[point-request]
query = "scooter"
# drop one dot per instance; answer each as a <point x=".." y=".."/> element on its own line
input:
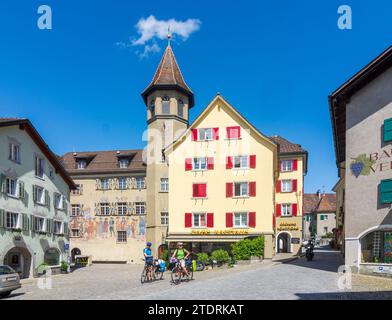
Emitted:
<point x="309" y="251"/>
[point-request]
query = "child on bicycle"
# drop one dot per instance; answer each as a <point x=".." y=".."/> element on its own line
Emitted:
<point x="181" y="254"/>
<point x="149" y="259"/>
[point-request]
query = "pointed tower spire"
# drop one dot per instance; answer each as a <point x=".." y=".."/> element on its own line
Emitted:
<point x="168" y="76"/>
<point x="168" y="36"/>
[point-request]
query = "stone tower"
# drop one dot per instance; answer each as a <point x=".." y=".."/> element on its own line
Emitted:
<point x="168" y="100"/>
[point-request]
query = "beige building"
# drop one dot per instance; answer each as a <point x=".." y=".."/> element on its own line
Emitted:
<point x="108" y="208"/>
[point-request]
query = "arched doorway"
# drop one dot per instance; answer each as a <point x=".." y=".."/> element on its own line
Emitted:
<point x="75" y="252"/>
<point x="283" y="243"/>
<point x="19" y="259"/>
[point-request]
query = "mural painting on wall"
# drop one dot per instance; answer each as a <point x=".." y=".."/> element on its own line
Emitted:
<point x="105" y="227"/>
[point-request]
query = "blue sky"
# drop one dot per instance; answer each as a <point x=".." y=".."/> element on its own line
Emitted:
<point x="276" y="63"/>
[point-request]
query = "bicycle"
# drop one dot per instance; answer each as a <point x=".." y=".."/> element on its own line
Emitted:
<point x="178" y="273"/>
<point x="155" y="269"/>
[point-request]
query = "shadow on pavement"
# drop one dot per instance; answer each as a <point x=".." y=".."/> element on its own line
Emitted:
<point x="13" y="295"/>
<point x="364" y="295"/>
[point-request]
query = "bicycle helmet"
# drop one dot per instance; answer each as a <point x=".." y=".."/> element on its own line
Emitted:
<point x="148" y="244"/>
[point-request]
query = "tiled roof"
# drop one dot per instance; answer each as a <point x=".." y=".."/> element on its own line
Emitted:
<point x="168" y="74"/>
<point x="324" y="203"/>
<point x="286" y="146"/>
<point x="104" y="161"/>
<point x="10" y="119"/>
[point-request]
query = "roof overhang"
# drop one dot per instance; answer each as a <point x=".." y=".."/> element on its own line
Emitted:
<point x="154" y="87"/>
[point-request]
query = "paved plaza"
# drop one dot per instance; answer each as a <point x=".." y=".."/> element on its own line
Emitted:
<point x="296" y="279"/>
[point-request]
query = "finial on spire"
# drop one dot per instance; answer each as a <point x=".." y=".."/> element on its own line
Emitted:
<point x="168" y="35"/>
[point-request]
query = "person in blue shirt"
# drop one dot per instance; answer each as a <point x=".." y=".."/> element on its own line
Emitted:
<point x="149" y="259"/>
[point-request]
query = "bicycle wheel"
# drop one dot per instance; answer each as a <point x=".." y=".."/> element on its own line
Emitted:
<point x="158" y="274"/>
<point x="143" y="277"/>
<point x="189" y="269"/>
<point x="176" y="275"/>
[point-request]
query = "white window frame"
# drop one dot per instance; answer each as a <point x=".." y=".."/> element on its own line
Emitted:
<point x="286" y="210"/>
<point x="14" y="186"/>
<point x="122" y="183"/>
<point x="41" y="199"/>
<point x="104" y="184"/>
<point x="164" y="218"/>
<point x="10" y="216"/>
<point x="241" y="219"/>
<point x="76" y="210"/>
<point x="140" y="208"/>
<point x="76" y="192"/>
<point x="122" y="208"/>
<point x="286" y="185"/>
<point x="199" y="164"/>
<point x="122" y="236"/>
<point x="287" y="165"/>
<point x="39" y="168"/>
<point x="243" y="162"/>
<point x="242" y="194"/>
<point x="59" y="201"/>
<point x="43" y="226"/>
<point x="14" y="150"/>
<point x="207" y="134"/>
<point x="123" y="163"/>
<point x="73" y="233"/>
<point x="196" y="216"/>
<point x="140" y="183"/>
<point x="164" y="185"/>
<point x="61" y="230"/>
<point x="104" y="209"/>
<point x="81" y="164"/>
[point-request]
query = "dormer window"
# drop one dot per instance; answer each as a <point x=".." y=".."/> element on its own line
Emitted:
<point x="166" y="105"/>
<point x="81" y="164"/>
<point x="123" y="163"/>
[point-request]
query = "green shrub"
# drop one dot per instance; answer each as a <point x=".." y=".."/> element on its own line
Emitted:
<point x="244" y="249"/>
<point x="203" y="257"/>
<point x="64" y="266"/>
<point x="220" y="255"/>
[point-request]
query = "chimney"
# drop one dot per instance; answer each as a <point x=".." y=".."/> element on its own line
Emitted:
<point x="318" y="193"/>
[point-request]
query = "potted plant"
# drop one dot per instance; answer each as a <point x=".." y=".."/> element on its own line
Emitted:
<point x="64" y="267"/>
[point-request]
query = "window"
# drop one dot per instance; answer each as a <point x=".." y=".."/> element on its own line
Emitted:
<point x="105" y="209"/>
<point x="39" y="224"/>
<point x="76" y="210"/>
<point x="52" y="257"/>
<point x="12" y="220"/>
<point x="81" y="164"/>
<point x="233" y="132"/>
<point x="241" y="162"/>
<point x="39" y="194"/>
<point x="199" y="220"/>
<point x="287" y="165"/>
<point x="199" y="190"/>
<point x="152" y="108"/>
<point x="323" y="217"/>
<point x="121" y="236"/>
<point x="57" y="227"/>
<point x="180" y="108"/>
<point x="166" y="105"/>
<point x="122" y="208"/>
<point x="205" y="134"/>
<point x="241" y="189"/>
<point x="39" y="167"/>
<point x="78" y="190"/>
<point x="140" y="208"/>
<point x="286" y="209"/>
<point x="388" y="130"/>
<point x="325" y="229"/>
<point x="164" y="218"/>
<point x="12" y="187"/>
<point x="14" y="152"/>
<point x="140" y="183"/>
<point x="123" y="163"/>
<point x="386" y="191"/>
<point x="240" y="220"/>
<point x="122" y="183"/>
<point x="199" y="164"/>
<point x="104" y="184"/>
<point x="75" y="233"/>
<point x="164" y="184"/>
<point x="51" y="173"/>
<point x="286" y="185"/>
<point x="59" y="201"/>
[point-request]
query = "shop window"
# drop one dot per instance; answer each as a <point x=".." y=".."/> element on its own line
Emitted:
<point x="376" y="247"/>
<point x="52" y="257"/>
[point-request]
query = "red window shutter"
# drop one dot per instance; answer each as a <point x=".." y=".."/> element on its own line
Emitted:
<point x="233" y="132"/>
<point x="252" y="189"/>
<point x="188" y="164"/>
<point x="229" y="219"/>
<point x="229" y="163"/>
<point x="295" y="165"/>
<point x="229" y="189"/>
<point x="215" y="133"/>
<point x="238" y="132"/>
<point x="294" y="209"/>
<point x="252" y="161"/>
<point x="188" y="220"/>
<point x="210" y="220"/>
<point x="252" y="219"/>
<point x="202" y="190"/>
<point x="278" y="186"/>
<point x="195" y="191"/>
<point x="194" y="134"/>
<point x="210" y="163"/>
<point x="294" y="185"/>
<point x="278" y="210"/>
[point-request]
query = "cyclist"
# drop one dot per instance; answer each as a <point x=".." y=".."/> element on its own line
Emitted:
<point x="149" y="259"/>
<point x="181" y="255"/>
